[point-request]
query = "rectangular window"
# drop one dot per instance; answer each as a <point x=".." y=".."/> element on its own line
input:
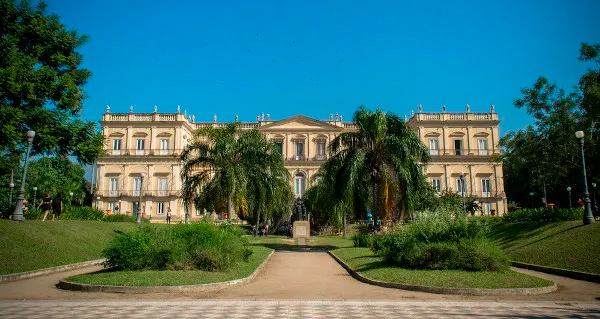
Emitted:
<point x="434" y="146"/>
<point x="113" y="186"/>
<point x="486" y="187"/>
<point x="137" y="186"/>
<point x="164" y="147"/>
<point x="198" y="212"/>
<point x="111" y="206"/>
<point x="279" y="147"/>
<point x="321" y="149"/>
<point x="160" y="208"/>
<point x="300" y="186"/>
<point x="162" y="186"/>
<point x="299" y="151"/>
<point x="437" y="184"/>
<point x="139" y="150"/>
<point x="458" y="147"/>
<point x="461" y="186"/>
<point x="134" y="208"/>
<point x="487" y="208"/>
<point x="116" y="147"/>
<point x="482" y="145"/>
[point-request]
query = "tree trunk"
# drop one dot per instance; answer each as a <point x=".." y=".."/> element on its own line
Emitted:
<point x="257" y="221"/>
<point x="229" y="205"/>
<point x="345" y="213"/>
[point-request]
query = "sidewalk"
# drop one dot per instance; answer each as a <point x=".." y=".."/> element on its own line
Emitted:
<point x="294" y="276"/>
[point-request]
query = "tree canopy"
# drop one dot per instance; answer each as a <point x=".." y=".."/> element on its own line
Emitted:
<point x="41" y="86"/>
<point x="544" y="157"/>
<point x="237" y="171"/>
<point x="378" y="166"/>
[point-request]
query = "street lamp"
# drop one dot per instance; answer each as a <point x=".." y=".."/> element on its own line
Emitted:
<point x="18" y="213"/>
<point x="139" y="215"/>
<point x="588" y="217"/>
<point x="70" y="199"/>
<point x="34" y="195"/>
<point x="119" y="207"/>
<point x="569" y="191"/>
<point x="12" y="185"/>
<point x="462" y="191"/>
<point x="531" y="198"/>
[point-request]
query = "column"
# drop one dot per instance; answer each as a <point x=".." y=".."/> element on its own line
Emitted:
<point x="469" y="140"/>
<point x="151" y="148"/>
<point x="128" y="134"/>
<point x="471" y="178"/>
<point x="444" y="129"/>
<point x="446" y="176"/>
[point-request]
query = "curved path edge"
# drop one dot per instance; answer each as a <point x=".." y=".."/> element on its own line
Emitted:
<point x="68" y="285"/>
<point x="448" y="291"/>
<point x="49" y="271"/>
<point x="559" y="271"/>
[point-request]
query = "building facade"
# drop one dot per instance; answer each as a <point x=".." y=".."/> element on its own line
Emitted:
<point x="143" y="152"/>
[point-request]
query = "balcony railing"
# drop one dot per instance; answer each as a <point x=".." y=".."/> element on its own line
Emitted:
<point x="145" y="152"/>
<point x="320" y="158"/>
<point x="455" y="116"/>
<point x="461" y="152"/>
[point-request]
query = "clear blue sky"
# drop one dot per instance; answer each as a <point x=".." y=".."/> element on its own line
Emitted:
<point x="316" y="57"/>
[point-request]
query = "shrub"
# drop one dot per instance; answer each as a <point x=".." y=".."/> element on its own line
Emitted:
<point x="362" y="240"/>
<point x="123" y="218"/>
<point x="543" y="214"/>
<point x="81" y="213"/>
<point x="201" y="245"/>
<point x="441" y="240"/>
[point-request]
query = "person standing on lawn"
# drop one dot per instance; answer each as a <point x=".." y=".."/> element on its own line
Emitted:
<point x="45" y="204"/>
<point x="169" y="215"/>
<point x="57" y="207"/>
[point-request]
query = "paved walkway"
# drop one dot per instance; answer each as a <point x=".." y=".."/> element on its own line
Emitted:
<point x="293" y="276"/>
<point x="293" y="309"/>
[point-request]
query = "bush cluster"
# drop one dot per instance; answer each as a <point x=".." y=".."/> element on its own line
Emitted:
<point x="362" y="240"/>
<point x="123" y="218"/>
<point x="442" y="240"/>
<point x="543" y="214"/>
<point x="203" y="246"/>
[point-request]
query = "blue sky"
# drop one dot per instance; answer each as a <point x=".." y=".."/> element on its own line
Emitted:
<point x="315" y="57"/>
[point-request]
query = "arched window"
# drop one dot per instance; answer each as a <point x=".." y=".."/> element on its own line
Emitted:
<point x="299" y="184"/>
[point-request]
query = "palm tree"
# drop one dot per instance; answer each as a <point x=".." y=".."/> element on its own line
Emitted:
<point x="225" y="168"/>
<point x="384" y="154"/>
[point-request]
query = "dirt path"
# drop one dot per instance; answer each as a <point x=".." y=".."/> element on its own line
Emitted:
<point x="293" y="275"/>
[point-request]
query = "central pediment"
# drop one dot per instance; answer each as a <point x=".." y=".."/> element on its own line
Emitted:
<point x="299" y="122"/>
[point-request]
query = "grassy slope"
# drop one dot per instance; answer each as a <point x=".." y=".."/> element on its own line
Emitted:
<point x="35" y="244"/>
<point x="567" y="245"/>
<point x="364" y="261"/>
<point x="174" y="278"/>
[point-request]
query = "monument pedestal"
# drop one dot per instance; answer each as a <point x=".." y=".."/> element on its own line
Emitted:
<point x="301" y="229"/>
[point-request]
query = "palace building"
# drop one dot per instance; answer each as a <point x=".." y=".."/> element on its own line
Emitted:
<point x="143" y="149"/>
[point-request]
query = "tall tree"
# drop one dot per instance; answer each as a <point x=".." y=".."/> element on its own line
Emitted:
<point x="384" y="153"/>
<point x="41" y="85"/>
<point x="226" y="168"/>
<point x="544" y="157"/>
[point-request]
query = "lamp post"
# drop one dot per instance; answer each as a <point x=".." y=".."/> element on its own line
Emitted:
<point x="34" y="195"/>
<point x="139" y="215"/>
<point x="12" y="185"/>
<point x="594" y="196"/>
<point x="119" y="207"/>
<point x="18" y="213"/>
<point x="70" y="199"/>
<point x="462" y="191"/>
<point x="531" y="194"/>
<point x="588" y="217"/>
<point x="569" y="191"/>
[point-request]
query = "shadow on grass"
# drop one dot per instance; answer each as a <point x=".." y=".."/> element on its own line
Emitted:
<point x="294" y="247"/>
<point x="508" y="235"/>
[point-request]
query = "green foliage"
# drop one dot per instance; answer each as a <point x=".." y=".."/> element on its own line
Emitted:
<point x="56" y="175"/>
<point x="543" y="214"/>
<point x="544" y="158"/>
<point x="362" y="240"/>
<point x="441" y="240"/>
<point x="203" y="246"/>
<point x="42" y="85"/>
<point x="120" y="218"/>
<point x="237" y="171"/>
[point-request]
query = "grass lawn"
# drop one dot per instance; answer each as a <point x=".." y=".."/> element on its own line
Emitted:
<point x="34" y="244"/>
<point x="172" y="277"/>
<point x="316" y="242"/>
<point x="567" y="245"/>
<point x="365" y="262"/>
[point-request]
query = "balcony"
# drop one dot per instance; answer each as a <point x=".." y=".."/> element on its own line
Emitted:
<point x="113" y="193"/>
<point x="298" y="158"/>
<point x="462" y="152"/>
<point x="320" y="158"/>
<point x="145" y="152"/>
<point x="453" y="116"/>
